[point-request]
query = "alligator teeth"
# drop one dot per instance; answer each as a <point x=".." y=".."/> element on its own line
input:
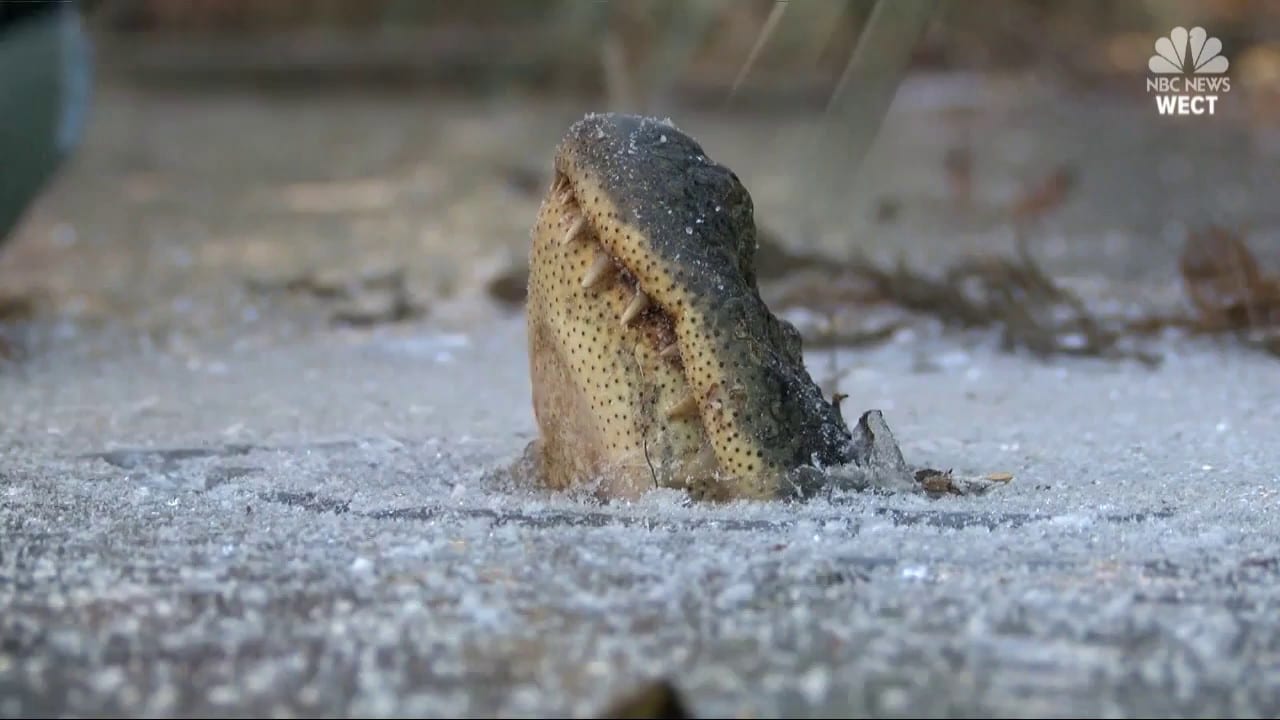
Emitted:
<point x="598" y="270"/>
<point x="637" y="306"/>
<point x="670" y="351"/>
<point x="574" y="230"/>
<point x="685" y="408"/>
<point x="561" y="190"/>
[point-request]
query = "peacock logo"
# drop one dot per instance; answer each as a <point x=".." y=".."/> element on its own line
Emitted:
<point x="1188" y="70"/>
<point x="1188" y="52"/>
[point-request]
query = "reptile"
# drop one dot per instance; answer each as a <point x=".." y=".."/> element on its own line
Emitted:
<point x="654" y="361"/>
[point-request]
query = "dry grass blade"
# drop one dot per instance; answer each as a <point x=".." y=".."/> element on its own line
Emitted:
<point x="681" y="38"/>
<point x="866" y="89"/>
<point x="575" y="25"/>
<point x="618" y="83"/>
<point x="880" y="59"/>
<point x="766" y="32"/>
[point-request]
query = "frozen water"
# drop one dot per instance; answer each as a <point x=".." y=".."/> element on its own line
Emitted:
<point x="302" y="520"/>
<point x="358" y="556"/>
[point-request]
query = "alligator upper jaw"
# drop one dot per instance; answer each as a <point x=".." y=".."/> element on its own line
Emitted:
<point x="721" y="352"/>
<point x="645" y="309"/>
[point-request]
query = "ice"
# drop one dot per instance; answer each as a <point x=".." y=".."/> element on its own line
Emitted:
<point x="317" y="524"/>
<point x="336" y="555"/>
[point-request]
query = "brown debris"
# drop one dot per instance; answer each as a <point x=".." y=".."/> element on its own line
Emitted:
<point x="935" y="482"/>
<point x="379" y="309"/>
<point x="958" y="163"/>
<point x="373" y="298"/>
<point x="862" y="337"/>
<point x="1224" y="284"/>
<point x="938" y="483"/>
<point x="511" y="286"/>
<point x="1033" y="311"/>
<point x="1228" y="291"/>
<point x="1222" y="278"/>
<point x="14" y="309"/>
<point x="655" y="699"/>
<point x="1045" y="196"/>
<point x="524" y="181"/>
<point x="888" y="210"/>
<point x="774" y="260"/>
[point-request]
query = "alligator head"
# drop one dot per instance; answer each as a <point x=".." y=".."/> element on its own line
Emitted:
<point x="654" y="360"/>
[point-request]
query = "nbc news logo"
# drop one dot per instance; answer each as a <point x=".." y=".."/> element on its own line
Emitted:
<point x="1187" y="72"/>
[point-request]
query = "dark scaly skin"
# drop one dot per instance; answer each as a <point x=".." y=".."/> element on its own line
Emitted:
<point x="678" y="227"/>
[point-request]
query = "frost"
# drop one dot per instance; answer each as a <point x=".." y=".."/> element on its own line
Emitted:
<point x="815" y="684"/>
<point x="341" y="534"/>
<point x="914" y="572"/>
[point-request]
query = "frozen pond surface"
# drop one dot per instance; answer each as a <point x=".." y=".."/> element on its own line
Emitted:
<point x="254" y="542"/>
<point x="204" y="513"/>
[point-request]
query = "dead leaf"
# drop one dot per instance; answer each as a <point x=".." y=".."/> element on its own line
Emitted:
<point x="1224" y="283"/>
<point x="1045" y="196"/>
<point x="934" y="482"/>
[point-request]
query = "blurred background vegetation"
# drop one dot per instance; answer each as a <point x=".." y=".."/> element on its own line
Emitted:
<point x="657" y="56"/>
<point x="688" y="46"/>
<point x="232" y="140"/>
